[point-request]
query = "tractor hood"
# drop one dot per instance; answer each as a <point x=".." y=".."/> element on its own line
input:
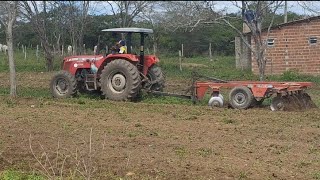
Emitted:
<point x="83" y="58"/>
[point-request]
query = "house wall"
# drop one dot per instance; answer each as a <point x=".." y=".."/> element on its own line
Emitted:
<point x="292" y="50"/>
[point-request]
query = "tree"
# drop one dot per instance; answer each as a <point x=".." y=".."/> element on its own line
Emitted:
<point x="76" y="14"/>
<point x="36" y="13"/>
<point x="125" y="11"/>
<point x="8" y="14"/>
<point x="189" y="15"/>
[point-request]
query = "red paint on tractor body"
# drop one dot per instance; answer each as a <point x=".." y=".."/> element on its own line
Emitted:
<point x="73" y="63"/>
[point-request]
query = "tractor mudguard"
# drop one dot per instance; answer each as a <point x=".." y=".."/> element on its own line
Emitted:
<point x="149" y="60"/>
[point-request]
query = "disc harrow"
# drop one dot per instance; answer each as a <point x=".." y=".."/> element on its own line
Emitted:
<point x="286" y="96"/>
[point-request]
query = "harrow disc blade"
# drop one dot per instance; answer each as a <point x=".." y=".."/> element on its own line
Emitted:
<point x="308" y="101"/>
<point x="294" y="102"/>
<point x="278" y="104"/>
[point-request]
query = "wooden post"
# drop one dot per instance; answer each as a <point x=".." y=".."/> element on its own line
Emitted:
<point x="148" y="51"/>
<point x="180" y="54"/>
<point x="22" y="47"/>
<point x="107" y="50"/>
<point x="37" y="53"/>
<point x="210" y="52"/>
<point x="154" y="49"/>
<point x="285" y="12"/>
<point x="62" y="50"/>
<point x="25" y="52"/>
<point x="84" y="48"/>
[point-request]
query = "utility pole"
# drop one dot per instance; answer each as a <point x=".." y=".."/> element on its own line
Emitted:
<point x="285" y="12"/>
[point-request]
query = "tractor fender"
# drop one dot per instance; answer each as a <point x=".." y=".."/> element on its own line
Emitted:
<point x="129" y="57"/>
<point x="149" y="60"/>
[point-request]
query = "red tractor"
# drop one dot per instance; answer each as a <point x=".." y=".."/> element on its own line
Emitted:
<point x="117" y="76"/>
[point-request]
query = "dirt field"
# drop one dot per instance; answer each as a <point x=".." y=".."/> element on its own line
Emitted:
<point x="154" y="141"/>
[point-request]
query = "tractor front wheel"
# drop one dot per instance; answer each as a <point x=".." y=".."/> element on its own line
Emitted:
<point x="63" y="85"/>
<point x="120" y="80"/>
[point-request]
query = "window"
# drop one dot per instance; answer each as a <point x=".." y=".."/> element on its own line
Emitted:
<point x="270" y="42"/>
<point x="313" y="40"/>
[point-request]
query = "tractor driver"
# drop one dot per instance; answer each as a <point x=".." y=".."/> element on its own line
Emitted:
<point x="123" y="47"/>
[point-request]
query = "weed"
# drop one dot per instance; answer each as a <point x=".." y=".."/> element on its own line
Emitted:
<point x="205" y="152"/>
<point x="138" y="125"/>
<point x="153" y="133"/>
<point x="303" y="164"/>
<point x="16" y="175"/>
<point x="228" y="120"/>
<point x="11" y="103"/>
<point x="180" y="151"/>
<point x="243" y="175"/>
<point x="133" y="134"/>
<point x="316" y="176"/>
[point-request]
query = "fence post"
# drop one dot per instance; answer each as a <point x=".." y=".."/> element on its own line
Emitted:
<point x="210" y="52"/>
<point x="37" y="52"/>
<point x="180" y="54"/>
<point x="154" y="49"/>
<point x="25" y="52"/>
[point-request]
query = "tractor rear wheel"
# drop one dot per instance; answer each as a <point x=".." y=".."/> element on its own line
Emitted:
<point x="120" y="80"/>
<point x="63" y="85"/>
<point x="241" y="97"/>
<point x="156" y="77"/>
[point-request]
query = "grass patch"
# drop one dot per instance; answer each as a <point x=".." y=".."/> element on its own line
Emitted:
<point x="205" y="152"/>
<point x="316" y="176"/>
<point x="180" y="151"/>
<point x="16" y="175"/>
<point x="228" y="121"/>
<point x="223" y="67"/>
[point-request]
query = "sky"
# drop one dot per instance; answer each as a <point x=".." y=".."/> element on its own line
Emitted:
<point x="293" y="6"/>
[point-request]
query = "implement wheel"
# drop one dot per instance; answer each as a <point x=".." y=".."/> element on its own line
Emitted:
<point x="241" y="97"/>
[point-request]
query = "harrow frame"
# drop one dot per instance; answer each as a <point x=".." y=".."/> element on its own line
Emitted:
<point x="245" y="94"/>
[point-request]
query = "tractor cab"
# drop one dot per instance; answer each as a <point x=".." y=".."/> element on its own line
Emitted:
<point x="143" y="32"/>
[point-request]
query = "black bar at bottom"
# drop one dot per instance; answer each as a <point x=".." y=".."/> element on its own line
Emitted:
<point x="171" y="94"/>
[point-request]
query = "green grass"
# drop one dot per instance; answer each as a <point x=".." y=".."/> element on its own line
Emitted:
<point x="17" y="175"/>
<point x="223" y="67"/>
<point x="30" y="64"/>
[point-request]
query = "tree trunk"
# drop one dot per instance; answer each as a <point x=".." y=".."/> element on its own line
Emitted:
<point x="13" y="84"/>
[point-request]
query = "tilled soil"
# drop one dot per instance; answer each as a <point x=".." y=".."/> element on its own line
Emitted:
<point x="155" y="141"/>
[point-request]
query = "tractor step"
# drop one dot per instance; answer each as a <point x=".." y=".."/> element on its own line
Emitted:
<point x="91" y="82"/>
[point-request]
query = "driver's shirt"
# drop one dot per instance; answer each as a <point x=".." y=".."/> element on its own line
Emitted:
<point x="123" y="49"/>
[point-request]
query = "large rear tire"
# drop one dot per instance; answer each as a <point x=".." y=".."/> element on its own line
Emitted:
<point x="120" y="80"/>
<point x="63" y="85"/>
<point x="156" y="76"/>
